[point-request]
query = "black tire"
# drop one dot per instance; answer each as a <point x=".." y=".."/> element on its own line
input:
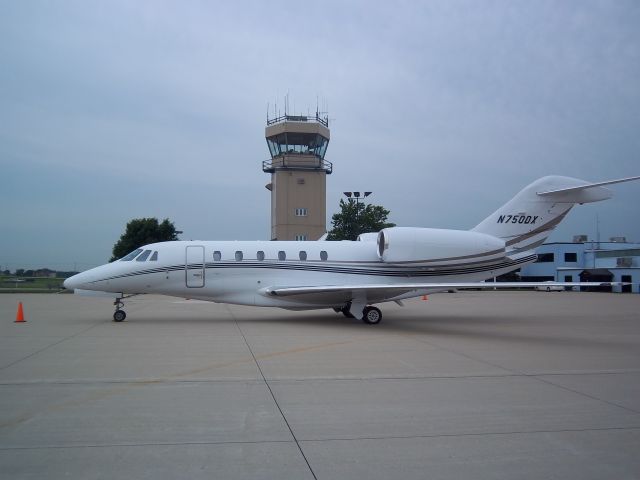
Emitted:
<point x="371" y="315"/>
<point x="119" y="316"/>
<point x="548" y="289"/>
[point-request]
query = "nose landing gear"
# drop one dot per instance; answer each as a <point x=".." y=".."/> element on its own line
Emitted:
<point x="119" y="315"/>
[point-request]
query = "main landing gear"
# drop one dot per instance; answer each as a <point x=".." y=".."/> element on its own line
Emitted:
<point x="370" y="315"/>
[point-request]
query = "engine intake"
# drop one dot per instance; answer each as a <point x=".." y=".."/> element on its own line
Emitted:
<point x="432" y="245"/>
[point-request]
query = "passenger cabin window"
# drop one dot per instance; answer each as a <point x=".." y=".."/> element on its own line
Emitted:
<point x="144" y="256"/>
<point x="154" y="257"/>
<point x="570" y="257"/>
<point x="131" y="256"/>
<point x="217" y="256"/>
<point x="238" y="256"/>
<point x="303" y="255"/>
<point x="260" y="255"/>
<point x="323" y="256"/>
<point x="282" y="255"/>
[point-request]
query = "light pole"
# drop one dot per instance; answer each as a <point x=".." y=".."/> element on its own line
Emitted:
<point x="357" y="196"/>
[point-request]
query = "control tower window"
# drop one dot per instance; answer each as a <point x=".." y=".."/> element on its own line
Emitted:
<point x="300" y="143"/>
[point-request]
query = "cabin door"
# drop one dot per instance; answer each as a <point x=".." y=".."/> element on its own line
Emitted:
<point x="194" y="266"/>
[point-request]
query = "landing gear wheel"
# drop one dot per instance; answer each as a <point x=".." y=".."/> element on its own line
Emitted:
<point x="119" y="316"/>
<point x="371" y="315"/>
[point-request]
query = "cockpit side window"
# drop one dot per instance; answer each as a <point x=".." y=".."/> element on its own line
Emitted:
<point x="131" y="256"/>
<point x="154" y="257"/>
<point x="143" y="257"/>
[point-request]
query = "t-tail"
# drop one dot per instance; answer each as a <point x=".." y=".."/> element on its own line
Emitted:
<point x="526" y="220"/>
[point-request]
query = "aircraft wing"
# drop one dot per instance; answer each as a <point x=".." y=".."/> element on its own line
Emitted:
<point x="389" y="291"/>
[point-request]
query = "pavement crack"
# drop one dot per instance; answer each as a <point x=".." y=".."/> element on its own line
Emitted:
<point x="266" y="382"/>
<point x="51" y="345"/>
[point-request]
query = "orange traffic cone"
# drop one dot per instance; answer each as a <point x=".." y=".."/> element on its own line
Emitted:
<point x="20" y="314"/>
<point x="424" y="297"/>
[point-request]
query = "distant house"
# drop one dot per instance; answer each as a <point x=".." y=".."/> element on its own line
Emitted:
<point x="45" y="272"/>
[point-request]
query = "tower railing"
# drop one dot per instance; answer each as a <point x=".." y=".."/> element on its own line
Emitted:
<point x="297" y="162"/>
<point x="299" y="118"/>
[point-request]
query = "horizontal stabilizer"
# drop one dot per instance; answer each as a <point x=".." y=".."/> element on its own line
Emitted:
<point x="586" y="186"/>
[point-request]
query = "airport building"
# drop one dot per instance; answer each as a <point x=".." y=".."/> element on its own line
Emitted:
<point x="587" y="261"/>
<point x="298" y="169"/>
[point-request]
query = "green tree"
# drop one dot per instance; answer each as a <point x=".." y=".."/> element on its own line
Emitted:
<point x="141" y="231"/>
<point x="355" y="218"/>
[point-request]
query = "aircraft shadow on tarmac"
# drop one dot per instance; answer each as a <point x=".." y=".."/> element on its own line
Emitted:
<point x="471" y="327"/>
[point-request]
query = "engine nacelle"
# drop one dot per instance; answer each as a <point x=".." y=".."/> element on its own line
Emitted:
<point x="437" y="246"/>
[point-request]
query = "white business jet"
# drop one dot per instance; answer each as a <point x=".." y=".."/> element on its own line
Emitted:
<point x="349" y="276"/>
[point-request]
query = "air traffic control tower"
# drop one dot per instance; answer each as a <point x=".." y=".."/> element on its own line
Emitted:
<point x="298" y="176"/>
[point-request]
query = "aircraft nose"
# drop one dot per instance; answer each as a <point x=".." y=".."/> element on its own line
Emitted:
<point x="70" y="283"/>
<point x="75" y="281"/>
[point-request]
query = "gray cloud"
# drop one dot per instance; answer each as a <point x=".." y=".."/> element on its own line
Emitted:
<point x="113" y="110"/>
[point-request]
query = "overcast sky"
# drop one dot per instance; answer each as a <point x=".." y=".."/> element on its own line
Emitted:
<point x="113" y="110"/>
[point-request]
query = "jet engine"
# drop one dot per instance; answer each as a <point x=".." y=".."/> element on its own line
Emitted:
<point x="437" y="246"/>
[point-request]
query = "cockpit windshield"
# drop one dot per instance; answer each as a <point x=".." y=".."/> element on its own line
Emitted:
<point x="144" y="256"/>
<point x="131" y="256"/>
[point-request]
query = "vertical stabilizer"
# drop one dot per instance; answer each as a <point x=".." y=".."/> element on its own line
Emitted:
<point x="526" y="220"/>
